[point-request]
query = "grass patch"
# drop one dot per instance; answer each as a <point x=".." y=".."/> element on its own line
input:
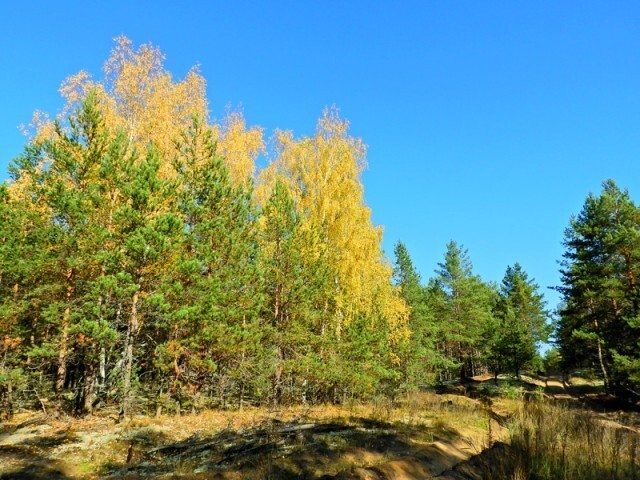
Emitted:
<point x="551" y="441"/>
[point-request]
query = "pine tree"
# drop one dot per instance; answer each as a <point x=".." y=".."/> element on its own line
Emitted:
<point x="144" y="237"/>
<point x="58" y="178"/>
<point x="521" y="321"/>
<point x="296" y="276"/>
<point x="463" y="308"/>
<point x="598" y="322"/>
<point x="17" y="228"/>
<point x="99" y="329"/>
<point x="419" y="355"/>
<point x="213" y="330"/>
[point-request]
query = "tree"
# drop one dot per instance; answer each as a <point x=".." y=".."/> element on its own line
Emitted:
<point x="322" y="175"/>
<point x="552" y="362"/>
<point x="521" y="321"/>
<point x="463" y="307"/>
<point x="19" y="234"/>
<point x="139" y="95"/>
<point x="213" y="328"/>
<point x="598" y="322"/>
<point x="139" y="267"/>
<point x="296" y="277"/>
<point x="420" y="359"/>
<point x="58" y="177"/>
<point x="146" y="226"/>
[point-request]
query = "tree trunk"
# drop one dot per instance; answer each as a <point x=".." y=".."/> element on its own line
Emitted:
<point x="103" y="369"/>
<point x="9" y="400"/>
<point x="278" y="375"/>
<point x="128" y="366"/>
<point x="64" y="339"/>
<point x="89" y="383"/>
<point x="160" y="404"/>
<point x="278" y="324"/>
<point x="605" y="377"/>
<point x="632" y="281"/>
<point x="95" y="371"/>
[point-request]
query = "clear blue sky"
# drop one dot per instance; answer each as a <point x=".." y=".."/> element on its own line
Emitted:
<point x="487" y="122"/>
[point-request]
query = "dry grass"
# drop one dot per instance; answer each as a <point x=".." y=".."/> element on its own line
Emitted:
<point x="552" y="441"/>
<point x="96" y="447"/>
<point x="548" y="439"/>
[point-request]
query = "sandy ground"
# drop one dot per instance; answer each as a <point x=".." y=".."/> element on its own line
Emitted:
<point x="425" y="438"/>
<point x="449" y="436"/>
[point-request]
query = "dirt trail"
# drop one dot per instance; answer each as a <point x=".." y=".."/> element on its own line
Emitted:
<point x="606" y="409"/>
<point x="442" y="461"/>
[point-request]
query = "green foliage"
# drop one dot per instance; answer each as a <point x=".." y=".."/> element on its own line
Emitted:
<point x="296" y="276"/>
<point x="129" y="278"/>
<point x="598" y="321"/>
<point x="462" y="326"/>
<point x="520" y="324"/>
<point x="421" y="359"/>
<point x="463" y="306"/>
<point x="213" y="288"/>
<point x="552" y="362"/>
<point x="140" y="280"/>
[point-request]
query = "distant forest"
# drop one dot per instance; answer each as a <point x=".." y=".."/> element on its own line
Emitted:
<point x="146" y="265"/>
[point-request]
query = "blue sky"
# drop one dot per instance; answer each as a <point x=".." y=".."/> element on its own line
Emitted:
<point x="487" y="122"/>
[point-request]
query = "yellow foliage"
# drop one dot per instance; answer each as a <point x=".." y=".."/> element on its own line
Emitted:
<point x="140" y="95"/>
<point x="239" y="146"/>
<point x="323" y="174"/>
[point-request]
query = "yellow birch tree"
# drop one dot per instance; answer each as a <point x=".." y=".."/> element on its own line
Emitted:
<point x="141" y="96"/>
<point x="322" y="173"/>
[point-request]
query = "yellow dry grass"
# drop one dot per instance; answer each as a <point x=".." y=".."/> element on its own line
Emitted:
<point x="452" y="425"/>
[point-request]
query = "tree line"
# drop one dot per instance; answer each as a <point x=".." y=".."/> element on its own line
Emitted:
<point x="147" y="265"/>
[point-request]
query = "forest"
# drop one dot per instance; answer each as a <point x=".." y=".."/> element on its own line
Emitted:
<point x="148" y="265"/>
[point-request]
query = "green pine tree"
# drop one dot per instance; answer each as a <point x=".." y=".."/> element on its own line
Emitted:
<point x="420" y="358"/>
<point x="213" y="335"/>
<point x="599" y="319"/>
<point x="297" y="280"/>
<point x="520" y="324"/>
<point x="462" y="304"/>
